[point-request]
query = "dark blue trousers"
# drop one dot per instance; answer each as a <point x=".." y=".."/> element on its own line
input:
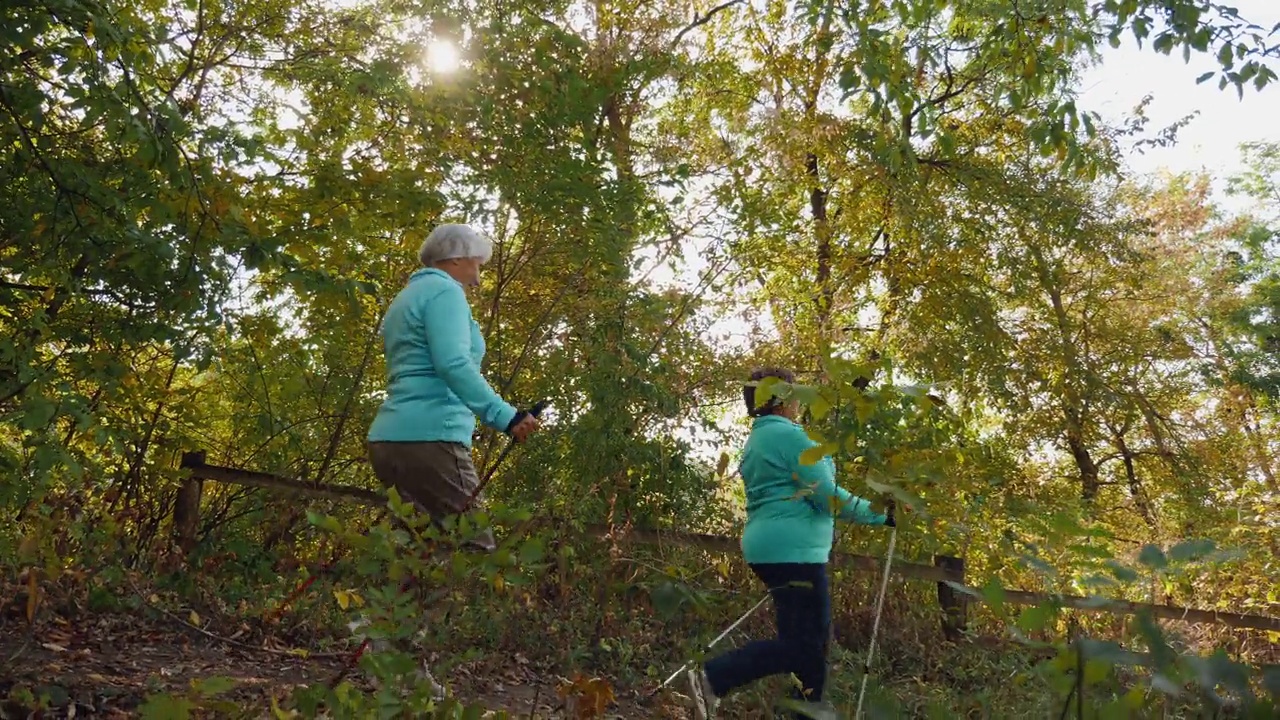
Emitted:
<point x="802" y="610"/>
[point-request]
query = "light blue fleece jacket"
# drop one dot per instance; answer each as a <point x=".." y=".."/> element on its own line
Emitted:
<point x="791" y="508"/>
<point x="434" y="350"/>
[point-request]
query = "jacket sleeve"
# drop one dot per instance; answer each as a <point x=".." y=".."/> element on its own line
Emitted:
<point x="447" y="318"/>
<point x="827" y="496"/>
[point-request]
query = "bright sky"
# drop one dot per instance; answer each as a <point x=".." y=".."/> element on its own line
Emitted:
<point x="1210" y="142"/>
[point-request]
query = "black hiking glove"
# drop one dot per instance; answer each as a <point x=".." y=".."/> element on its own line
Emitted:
<point x="889" y="520"/>
<point x="535" y="411"/>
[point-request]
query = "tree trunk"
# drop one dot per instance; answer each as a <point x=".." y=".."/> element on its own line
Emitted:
<point x="1136" y="490"/>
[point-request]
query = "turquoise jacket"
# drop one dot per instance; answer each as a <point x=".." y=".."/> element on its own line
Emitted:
<point x="791" y="508"/>
<point x="433" y="350"/>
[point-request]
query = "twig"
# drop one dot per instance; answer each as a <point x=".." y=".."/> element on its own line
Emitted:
<point x="305" y="654"/>
<point x="533" y="709"/>
<point x="703" y="19"/>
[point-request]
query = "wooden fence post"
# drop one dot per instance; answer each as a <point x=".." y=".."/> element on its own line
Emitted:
<point x="954" y="604"/>
<point x="186" y="507"/>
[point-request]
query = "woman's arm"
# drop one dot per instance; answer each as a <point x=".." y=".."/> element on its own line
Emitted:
<point x="827" y="496"/>
<point x="447" y="317"/>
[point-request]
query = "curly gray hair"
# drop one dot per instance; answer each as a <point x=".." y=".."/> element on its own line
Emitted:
<point x="453" y="240"/>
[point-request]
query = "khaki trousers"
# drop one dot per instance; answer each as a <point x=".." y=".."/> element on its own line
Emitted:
<point x="438" y="477"/>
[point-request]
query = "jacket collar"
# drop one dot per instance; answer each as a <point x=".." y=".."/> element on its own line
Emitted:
<point x="772" y="420"/>
<point x="423" y="272"/>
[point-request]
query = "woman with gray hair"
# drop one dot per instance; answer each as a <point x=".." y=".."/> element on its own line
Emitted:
<point x="420" y="440"/>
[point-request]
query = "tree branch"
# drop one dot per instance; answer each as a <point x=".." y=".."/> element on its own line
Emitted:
<point x="699" y="20"/>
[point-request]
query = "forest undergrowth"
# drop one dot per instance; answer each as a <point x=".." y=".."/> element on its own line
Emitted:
<point x="522" y="634"/>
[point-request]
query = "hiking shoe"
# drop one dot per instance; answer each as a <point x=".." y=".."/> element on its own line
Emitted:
<point x="424" y="675"/>
<point x="705" y="700"/>
<point x="381" y="645"/>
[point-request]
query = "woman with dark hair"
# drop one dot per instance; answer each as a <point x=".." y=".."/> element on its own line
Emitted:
<point x="787" y="544"/>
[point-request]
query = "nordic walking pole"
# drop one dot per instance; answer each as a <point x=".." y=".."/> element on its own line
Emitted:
<point x="711" y="644"/>
<point x="535" y="411"/>
<point x="875" y="625"/>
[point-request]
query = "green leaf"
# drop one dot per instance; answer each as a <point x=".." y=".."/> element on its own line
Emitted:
<point x="963" y="589"/>
<point x="666" y="599"/>
<point x="37" y="414"/>
<point x="1161" y="682"/>
<point x="1271" y="681"/>
<point x="1191" y="550"/>
<point x="1152" y="557"/>
<point x="216" y="685"/>
<point x="1036" y="617"/>
<point x="819" y="407"/>
<point x="1204" y="77"/>
<point x="324" y="522"/>
<point x="993" y="592"/>
<point x="531" y="551"/>
<point x="1225" y="56"/>
<point x="900" y="494"/>
<point x="1122" y="572"/>
<point x="766" y="390"/>
<point x="166" y="707"/>
<point x="1104" y="651"/>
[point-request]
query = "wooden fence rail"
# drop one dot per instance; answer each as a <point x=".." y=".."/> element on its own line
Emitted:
<point x="954" y="595"/>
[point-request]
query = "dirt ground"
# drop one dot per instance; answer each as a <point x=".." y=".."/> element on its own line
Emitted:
<point x="106" y="665"/>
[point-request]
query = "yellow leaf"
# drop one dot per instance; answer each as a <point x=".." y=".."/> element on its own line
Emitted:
<point x="28" y="547"/>
<point x="819" y="408"/>
<point x="863" y="408"/>
<point x="815" y="454"/>
<point x="723" y="464"/>
<point x="194" y="618"/>
<point x="154" y="599"/>
<point x="344" y="600"/>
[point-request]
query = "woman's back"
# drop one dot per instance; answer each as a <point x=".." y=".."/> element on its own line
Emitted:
<point x="434" y="350"/>
<point x="786" y="521"/>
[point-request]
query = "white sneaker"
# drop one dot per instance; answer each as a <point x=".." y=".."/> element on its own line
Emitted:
<point x="705" y="701"/>
<point x="375" y="644"/>
<point x="424" y="675"/>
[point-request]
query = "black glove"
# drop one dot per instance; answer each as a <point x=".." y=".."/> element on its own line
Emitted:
<point x="888" y="515"/>
<point x="535" y="411"/>
<point x="520" y="416"/>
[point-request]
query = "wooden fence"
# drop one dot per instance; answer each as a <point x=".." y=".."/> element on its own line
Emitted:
<point x="954" y="596"/>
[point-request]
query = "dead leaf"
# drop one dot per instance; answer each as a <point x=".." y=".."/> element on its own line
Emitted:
<point x="195" y="619"/>
<point x="52" y="646"/>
